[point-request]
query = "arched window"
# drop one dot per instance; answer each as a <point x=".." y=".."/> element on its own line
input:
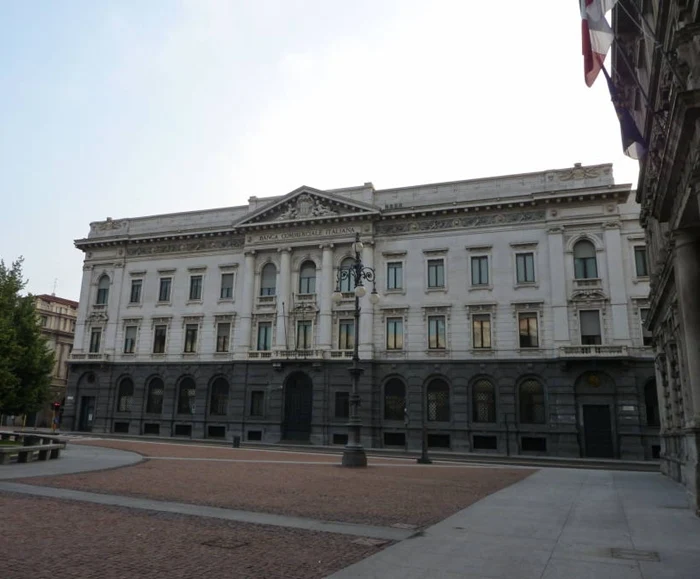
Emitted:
<point x="125" y="395"/>
<point x="218" y="401"/>
<point x="186" y="397"/>
<point x="102" y="291"/>
<point x="307" y="278"/>
<point x="531" y="402"/>
<point x="268" y="280"/>
<point x="394" y="399"/>
<point x="651" y="401"/>
<point x="438" y="401"/>
<point x="585" y="266"/>
<point x="154" y="400"/>
<point x="347" y="283"/>
<point x="484" y="401"/>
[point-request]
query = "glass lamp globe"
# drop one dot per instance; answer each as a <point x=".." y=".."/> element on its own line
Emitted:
<point x="360" y="291"/>
<point x="374" y="298"/>
<point x="357" y="246"/>
<point x="337" y="296"/>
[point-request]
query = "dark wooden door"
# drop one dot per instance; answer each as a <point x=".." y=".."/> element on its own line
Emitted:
<point x="87" y="413"/>
<point x="597" y="431"/>
<point x="298" y="402"/>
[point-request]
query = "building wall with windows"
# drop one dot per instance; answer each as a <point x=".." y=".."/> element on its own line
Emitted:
<point x="509" y="318"/>
<point x="57" y="319"/>
<point x="656" y="67"/>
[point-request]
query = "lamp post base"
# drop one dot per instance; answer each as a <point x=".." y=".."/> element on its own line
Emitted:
<point x="354" y="456"/>
<point x="424" y="460"/>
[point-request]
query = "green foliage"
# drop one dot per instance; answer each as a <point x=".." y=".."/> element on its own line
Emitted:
<point x="25" y="361"/>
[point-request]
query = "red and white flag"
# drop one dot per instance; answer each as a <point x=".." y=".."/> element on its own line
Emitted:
<point x="597" y="36"/>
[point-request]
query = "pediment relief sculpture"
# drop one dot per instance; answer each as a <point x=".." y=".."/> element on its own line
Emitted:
<point x="305" y="207"/>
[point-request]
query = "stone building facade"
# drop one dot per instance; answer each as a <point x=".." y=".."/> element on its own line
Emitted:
<point x="57" y="318"/>
<point x="509" y="319"/>
<point x="656" y="61"/>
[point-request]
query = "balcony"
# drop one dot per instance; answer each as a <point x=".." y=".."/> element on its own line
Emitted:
<point x="260" y="354"/>
<point x="299" y="354"/>
<point x="338" y="354"/>
<point x="98" y="357"/>
<point x="593" y="351"/>
<point x="266" y="301"/>
<point x="588" y="284"/>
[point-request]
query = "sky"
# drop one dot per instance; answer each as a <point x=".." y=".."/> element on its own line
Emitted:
<point x="129" y="108"/>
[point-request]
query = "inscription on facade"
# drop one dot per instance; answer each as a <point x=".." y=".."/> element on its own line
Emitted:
<point x="302" y="234"/>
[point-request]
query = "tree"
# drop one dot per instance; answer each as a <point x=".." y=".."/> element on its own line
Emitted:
<point x="25" y="360"/>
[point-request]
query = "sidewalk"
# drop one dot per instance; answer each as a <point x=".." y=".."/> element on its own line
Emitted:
<point x="556" y="524"/>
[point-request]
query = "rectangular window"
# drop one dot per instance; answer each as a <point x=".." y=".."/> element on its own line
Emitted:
<point x="394" y="275"/>
<point x="257" y="403"/>
<point x="304" y="335"/>
<point x="226" y="286"/>
<point x="44" y="321"/>
<point x="223" y="333"/>
<point x="640" y="261"/>
<point x="394" y="334"/>
<point x="164" y="289"/>
<point x="264" y="335"/>
<point x="191" y="338"/>
<point x="646" y="334"/>
<point x="95" y="339"/>
<point x="346" y="334"/>
<point x="130" y="339"/>
<point x="528" y="330"/>
<point x="525" y="267"/>
<point x="590" y="327"/>
<point x="342" y="404"/>
<point x="480" y="270"/>
<point x="159" y="335"/>
<point x="436" y="273"/>
<point x="481" y="331"/>
<point x="195" y="287"/>
<point x="135" y="295"/>
<point x="436" y="333"/>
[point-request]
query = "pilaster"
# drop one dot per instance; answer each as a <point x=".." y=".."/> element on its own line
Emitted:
<point x="616" y="280"/>
<point x="366" y="344"/>
<point x="283" y="302"/>
<point x="558" y="284"/>
<point x="245" y="313"/>
<point x="325" y="294"/>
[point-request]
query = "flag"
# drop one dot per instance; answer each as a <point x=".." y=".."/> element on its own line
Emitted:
<point x="633" y="144"/>
<point x="597" y="36"/>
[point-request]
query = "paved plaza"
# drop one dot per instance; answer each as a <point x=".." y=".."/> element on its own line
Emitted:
<point x="112" y="508"/>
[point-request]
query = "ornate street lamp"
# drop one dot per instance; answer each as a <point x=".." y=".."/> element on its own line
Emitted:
<point x="357" y="274"/>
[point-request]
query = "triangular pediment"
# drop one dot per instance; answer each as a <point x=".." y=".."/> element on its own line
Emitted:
<point x="307" y="204"/>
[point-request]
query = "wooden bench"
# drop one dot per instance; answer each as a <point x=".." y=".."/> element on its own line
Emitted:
<point x="44" y="446"/>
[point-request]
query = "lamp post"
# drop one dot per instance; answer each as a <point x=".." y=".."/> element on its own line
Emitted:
<point x="354" y="453"/>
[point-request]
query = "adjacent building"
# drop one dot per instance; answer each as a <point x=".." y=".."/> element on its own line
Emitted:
<point x="510" y="319"/>
<point x="57" y="318"/>
<point x="656" y="61"/>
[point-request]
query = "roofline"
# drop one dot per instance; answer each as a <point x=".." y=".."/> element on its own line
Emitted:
<point x="58" y="300"/>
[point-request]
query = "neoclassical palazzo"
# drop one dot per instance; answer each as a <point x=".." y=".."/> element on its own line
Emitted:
<point x="508" y="319"/>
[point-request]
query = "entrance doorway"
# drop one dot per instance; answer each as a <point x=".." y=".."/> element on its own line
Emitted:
<point x="298" y="401"/>
<point x="87" y="413"/>
<point x="597" y="431"/>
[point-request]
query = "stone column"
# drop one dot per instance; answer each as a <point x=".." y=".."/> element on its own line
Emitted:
<point x="687" y="271"/>
<point x="616" y="281"/>
<point x="245" y="310"/>
<point x="284" y="336"/>
<point x="325" y="292"/>
<point x="558" y="280"/>
<point x="80" y="340"/>
<point x="366" y="344"/>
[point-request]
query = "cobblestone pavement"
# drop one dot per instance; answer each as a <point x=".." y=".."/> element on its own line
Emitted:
<point x="49" y="539"/>
<point x="379" y="495"/>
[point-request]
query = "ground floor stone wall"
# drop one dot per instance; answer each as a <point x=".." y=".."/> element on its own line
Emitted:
<point x="574" y="408"/>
